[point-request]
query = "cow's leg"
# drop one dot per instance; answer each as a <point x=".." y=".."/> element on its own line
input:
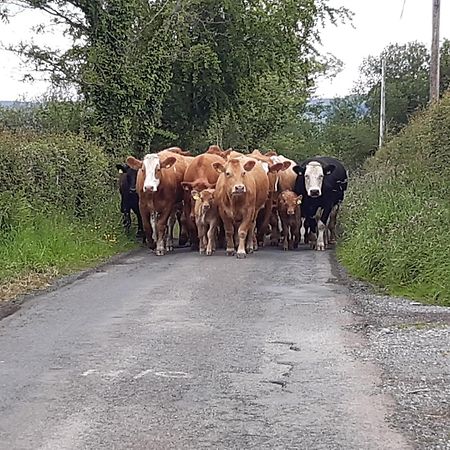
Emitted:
<point x="170" y="228"/>
<point x="211" y="238"/>
<point x="251" y="242"/>
<point x="303" y="236"/>
<point x="140" y="230"/>
<point x="244" y="229"/>
<point x="322" y="219"/>
<point x="190" y="221"/>
<point x="332" y="224"/>
<point x="201" y="238"/>
<point x="296" y="233"/>
<point x="148" y="230"/>
<point x="161" y="229"/>
<point x="229" y="235"/>
<point x="275" y="229"/>
<point x="264" y="216"/>
<point x="183" y="237"/>
<point x="285" y="234"/>
<point x="321" y="236"/>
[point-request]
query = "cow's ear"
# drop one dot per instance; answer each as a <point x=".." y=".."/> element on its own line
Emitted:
<point x="218" y="167"/>
<point x="195" y="194"/>
<point x="299" y="170"/>
<point x="186" y="185"/>
<point x="286" y="165"/>
<point x="248" y="166"/>
<point x="121" y="167"/>
<point x="276" y="167"/>
<point x="271" y="153"/>
<point x="299" y="199"/>
<point x="168" y="162"/>
<point x="329" y="169"/>
<point x="134" y="163"/>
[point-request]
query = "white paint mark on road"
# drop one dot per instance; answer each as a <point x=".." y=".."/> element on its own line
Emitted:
<point x="88" y="372"/>
<point x="142" y="374"/>
<point x="172" y="374"/>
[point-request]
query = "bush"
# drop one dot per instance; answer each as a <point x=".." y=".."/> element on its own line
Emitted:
<point x="59" y="204"/>
<point x="397" y="214"/>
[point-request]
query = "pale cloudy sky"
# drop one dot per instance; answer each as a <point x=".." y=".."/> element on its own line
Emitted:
<point x="376" y="24"/>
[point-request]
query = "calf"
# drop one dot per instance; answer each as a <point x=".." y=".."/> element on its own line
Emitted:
<point x="199" y="175"/>
<point x="206" y="219"/>
<point x="322" y="181"/>
<point x="289" y="211"/>
<point x="241" y="191"/>
<point x="129" y="200"/>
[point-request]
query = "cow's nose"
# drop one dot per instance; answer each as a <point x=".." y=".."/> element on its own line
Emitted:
<point x="290" y="213"/>
<point x="314" y="192"/>
<point x="148" y="188"/>
<point x="206" y="206"/>
<point x="239" y="188"/>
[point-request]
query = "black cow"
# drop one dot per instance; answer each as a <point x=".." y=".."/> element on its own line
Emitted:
<point x="129" y="197"/>
<point x="322" y="181"/>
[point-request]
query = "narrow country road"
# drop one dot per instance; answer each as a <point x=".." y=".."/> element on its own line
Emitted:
<point x="189" y="352"/>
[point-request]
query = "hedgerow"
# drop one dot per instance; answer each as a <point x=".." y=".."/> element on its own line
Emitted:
<point x="397" y="214"/>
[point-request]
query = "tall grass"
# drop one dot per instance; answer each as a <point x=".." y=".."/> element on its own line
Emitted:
<point x="59" y="206"/>
<point x="397" y="215"/>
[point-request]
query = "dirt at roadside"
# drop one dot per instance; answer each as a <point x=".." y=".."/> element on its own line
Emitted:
<point x="411" y="343"/>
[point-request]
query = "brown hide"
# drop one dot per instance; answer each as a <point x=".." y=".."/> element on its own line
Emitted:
<point x="241" y="190"/>
<point x="206" y="219"/>
<point x="164" y="199"/>
<point x="289" y="211"/>
<point x="199" y="175"/>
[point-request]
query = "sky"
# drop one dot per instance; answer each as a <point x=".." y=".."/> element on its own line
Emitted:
<point x="376" y="24"/>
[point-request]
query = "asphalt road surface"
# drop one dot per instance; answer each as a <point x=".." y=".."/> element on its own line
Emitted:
<point x="190" y="352"/>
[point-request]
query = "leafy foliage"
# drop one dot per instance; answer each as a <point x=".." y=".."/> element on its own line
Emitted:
<point x="397" y="213"/>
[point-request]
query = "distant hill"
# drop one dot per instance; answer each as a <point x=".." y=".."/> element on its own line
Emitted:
<point x="15" y="104"/>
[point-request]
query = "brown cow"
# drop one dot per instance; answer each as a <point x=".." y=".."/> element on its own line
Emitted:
<point x="159" y="188"/>
<point x="289" y="210"/>
<point x="199" y="175"/>
<point x="274" y="171"/>
<point x="241" y="191"/>
<point x="206" y="219"/>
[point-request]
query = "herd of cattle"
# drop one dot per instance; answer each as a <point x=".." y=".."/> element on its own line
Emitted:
<point x="227" y="199"/>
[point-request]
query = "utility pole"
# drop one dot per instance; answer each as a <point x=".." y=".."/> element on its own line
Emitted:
<point x="382" y="103"/>
<point x="434" y="66"/>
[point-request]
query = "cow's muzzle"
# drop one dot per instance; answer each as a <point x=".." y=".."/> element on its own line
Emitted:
<point x="314" y="193"/>
<point x="239" y="189"/>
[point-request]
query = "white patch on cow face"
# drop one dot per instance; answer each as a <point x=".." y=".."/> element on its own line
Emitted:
<point x="314" y="179"/>
<point x="265" y="166"/>
<point x="152" y="165"/>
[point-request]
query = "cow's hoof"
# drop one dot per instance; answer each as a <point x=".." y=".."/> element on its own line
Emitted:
<point x="249" y="250"/>
<point x="332" y="241"/>
<point x="209" y="253"/>
<point x="320" y="248"/>
<point x="285" y="249"/>
<point x="241" y="255"/>
<point x="201" y="251"/>
<point x="230" y="252"/>
<point x="160" y="252"/>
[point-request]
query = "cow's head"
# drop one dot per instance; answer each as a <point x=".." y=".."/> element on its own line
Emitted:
<point x="151" y="166"/>
<point x="199" y="184"/>
<point x="290" y="202"/>
<point x="314" y="174"/>
<point x="235" y="171"/>
<point x="128" y="177"/>
<point x="204" y="200"/>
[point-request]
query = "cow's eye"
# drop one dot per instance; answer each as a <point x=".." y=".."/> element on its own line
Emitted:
<point x="243" y="173"/>
<point x="228" y="174"/>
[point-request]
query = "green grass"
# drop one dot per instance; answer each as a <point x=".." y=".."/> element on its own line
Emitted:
<point x="396" y="217"/>
<point x="55" y="244"/>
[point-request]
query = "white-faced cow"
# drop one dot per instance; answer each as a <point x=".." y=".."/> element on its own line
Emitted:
<point x="322" y="182"/>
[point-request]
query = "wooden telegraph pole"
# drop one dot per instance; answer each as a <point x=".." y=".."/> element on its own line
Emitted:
<point x="434" y="66"/>
<point x="382" y="103"/>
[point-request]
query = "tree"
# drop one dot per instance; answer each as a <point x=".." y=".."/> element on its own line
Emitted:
<point x="232" y="70"/>
<point x="407" y="81"/>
